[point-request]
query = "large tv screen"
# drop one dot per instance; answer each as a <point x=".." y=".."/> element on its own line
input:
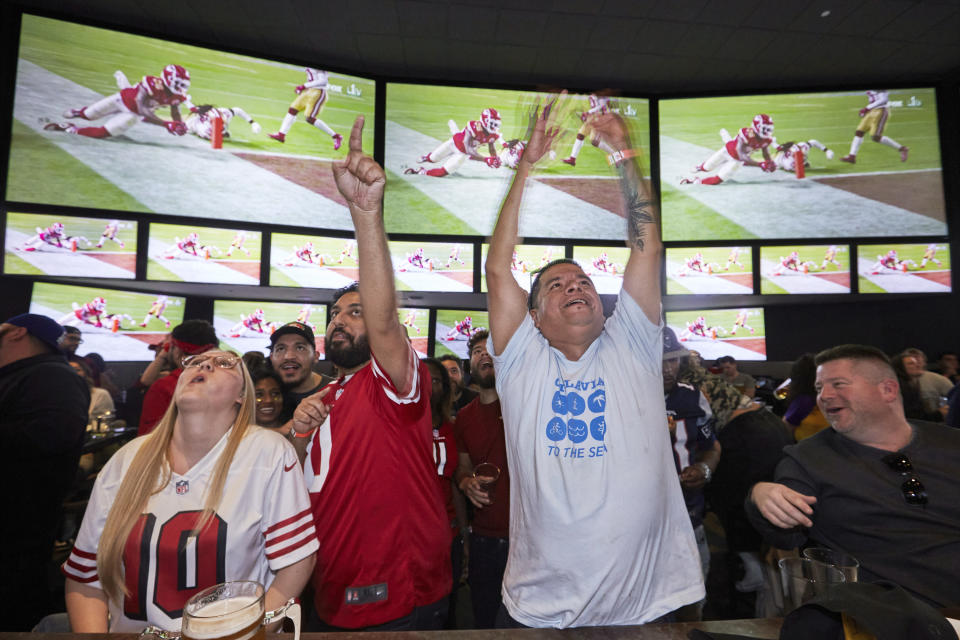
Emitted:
<point x="710" y="270"/>
<point x="864" y="173"/>
<point x="182" y="253"/>
<point x="416" y="321"/>
<point x="119" y="325"/>
<point x="246" y="325"/>
<point x="75" y="79"/>
<point x="454" y="329"/>
<point x="319" y="262"/>
<point x="904" y="268"/>
<point x="432" y="266"/>
<point x="713" y="333"/>
<point x="604" y="265"/>
<point x="805" y="269"/>
<point x="436" y="186"/>
<point x="58" y="245"/>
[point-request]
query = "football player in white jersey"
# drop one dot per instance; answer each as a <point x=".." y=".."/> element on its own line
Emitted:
<point x="736" y="152"/>
<point x="873" y="120"/>
<point x="786" y="156"/>
<point x="207" y="497"/>
<point x="463" y="145"/>
<point x="599" y="105"/>
<point x="110" y="233"/>
<point x="201" y="118"/>
<point x="156" y="311"/>
<point x="311" y="97"/>
<point x="930" y="255"/>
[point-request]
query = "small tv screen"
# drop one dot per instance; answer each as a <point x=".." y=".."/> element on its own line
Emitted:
<point x="58" y="245"/>
<point x="246" y="325"/>
<point x="187" y="253"/>
<point x="454" y="329"/>
<point x="451" y="153"/>
<point x="817" y="268"/>
<point x="813" y="165"/>
<point x="109" y="120"/>
<point x="604" y="265"/>
<point x="318" y="262"/>
<point x="527" y="260"/>
<point x="432" y="266"/>
<point x="722" y="332"/>
<point x="119" y="325"/>
<point x="710" y="270"/>
<point x="904" y="268"/>
<point x="416" y="321"/>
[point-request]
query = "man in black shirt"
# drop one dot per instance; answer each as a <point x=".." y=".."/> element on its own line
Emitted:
<point x="43" y="416"/>
<point x="293" y="353"/>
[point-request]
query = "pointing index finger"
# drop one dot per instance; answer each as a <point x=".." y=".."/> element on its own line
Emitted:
<point x="356" y="136"/>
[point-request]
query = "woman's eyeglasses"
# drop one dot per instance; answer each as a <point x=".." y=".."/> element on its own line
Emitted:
<point x="913" y="490"/>
<point x="222" y="360"/>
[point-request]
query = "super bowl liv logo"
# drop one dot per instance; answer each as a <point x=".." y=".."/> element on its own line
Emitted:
<point x="578" y="408"/>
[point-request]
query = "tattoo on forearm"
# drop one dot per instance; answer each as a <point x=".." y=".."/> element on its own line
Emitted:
<point x="640" y="212"/>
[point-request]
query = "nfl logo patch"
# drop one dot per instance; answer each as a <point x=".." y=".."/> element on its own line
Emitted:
<point x="182" y="487"/>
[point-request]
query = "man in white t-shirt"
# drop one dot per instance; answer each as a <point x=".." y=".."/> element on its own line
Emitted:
<point x="599" y="534"/>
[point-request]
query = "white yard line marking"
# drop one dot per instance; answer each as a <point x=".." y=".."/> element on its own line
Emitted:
<point x="701" y="283"/>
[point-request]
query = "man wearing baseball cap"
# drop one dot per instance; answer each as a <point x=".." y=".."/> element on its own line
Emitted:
<point x="43" y="415"/>
<point x="293" y="353"/>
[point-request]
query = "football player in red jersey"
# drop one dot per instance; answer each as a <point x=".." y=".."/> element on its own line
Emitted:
<point x="736" y="152"/>
<point x="465" y="144"/>
<point x="89" y="313"/>
<point x="133" y="104"/>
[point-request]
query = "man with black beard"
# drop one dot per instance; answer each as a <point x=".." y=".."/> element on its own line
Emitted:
<point x="374" y="495"/>
<point x="479" y="433"/>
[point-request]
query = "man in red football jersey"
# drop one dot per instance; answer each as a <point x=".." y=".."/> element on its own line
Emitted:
<point x="385" y="557"/>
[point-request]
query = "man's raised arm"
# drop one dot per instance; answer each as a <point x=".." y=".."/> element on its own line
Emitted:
<point x="641" y="277"/>
<point x="506" y="301"/>
<point x="361" y="182"/>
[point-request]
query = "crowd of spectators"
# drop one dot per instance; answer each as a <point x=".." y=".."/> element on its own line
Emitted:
<point x="368" y="486"/>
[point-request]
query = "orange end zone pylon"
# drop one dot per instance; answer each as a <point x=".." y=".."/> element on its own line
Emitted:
<point x="798" y="163"/>
<point x="216" y="136"/>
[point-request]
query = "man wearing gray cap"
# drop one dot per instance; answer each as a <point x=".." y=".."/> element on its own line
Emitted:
<point x="43" y="414"/>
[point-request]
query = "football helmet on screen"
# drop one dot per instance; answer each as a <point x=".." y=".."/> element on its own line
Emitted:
<point x="57" y="227"/>
<point x="176" y="79"/>
<point x="763" y="125"/>
<point x="490" y="120"/>
<point x="98" y="303"/>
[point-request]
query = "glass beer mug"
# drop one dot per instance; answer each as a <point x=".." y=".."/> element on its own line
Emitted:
<point x="229" y="611"/>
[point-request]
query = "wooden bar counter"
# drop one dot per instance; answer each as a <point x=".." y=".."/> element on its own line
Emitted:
<point x="767" y="629"/>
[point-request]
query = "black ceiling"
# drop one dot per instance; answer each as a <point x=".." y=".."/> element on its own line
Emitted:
<point x="639" y="46"/>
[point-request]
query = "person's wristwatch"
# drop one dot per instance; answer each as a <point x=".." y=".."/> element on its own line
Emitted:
<point x="707" y="472"/>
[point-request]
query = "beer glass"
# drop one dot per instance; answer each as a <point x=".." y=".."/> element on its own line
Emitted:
<point x="845" y="562"/>
<point x="488" y="474"/>
<point x="229" y="611"/>
<point x="803" y="579"/>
